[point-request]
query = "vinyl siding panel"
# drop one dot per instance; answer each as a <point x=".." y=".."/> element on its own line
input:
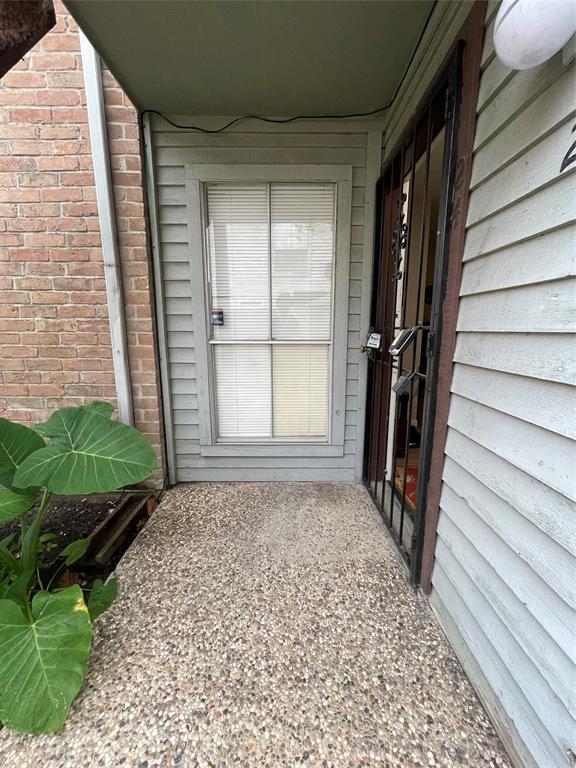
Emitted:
<point x="173" y="150"/>
<point x="504" y="579"/>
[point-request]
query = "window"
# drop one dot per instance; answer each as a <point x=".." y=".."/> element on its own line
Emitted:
<point x="271" y="259"/>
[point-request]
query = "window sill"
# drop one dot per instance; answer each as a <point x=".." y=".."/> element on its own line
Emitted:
<point x="286" y="450"/>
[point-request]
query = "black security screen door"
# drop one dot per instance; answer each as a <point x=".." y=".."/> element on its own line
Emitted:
<point x="413" y="219"/>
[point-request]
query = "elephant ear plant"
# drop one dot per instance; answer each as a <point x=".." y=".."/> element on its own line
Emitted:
<point x="46" y="631"/>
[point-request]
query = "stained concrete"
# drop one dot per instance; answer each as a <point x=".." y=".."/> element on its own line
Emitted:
<point x="263" y="624"/>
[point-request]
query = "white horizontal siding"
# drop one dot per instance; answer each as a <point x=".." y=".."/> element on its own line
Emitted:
<point x="504" y="580"/>
<point x="172" y="151"/>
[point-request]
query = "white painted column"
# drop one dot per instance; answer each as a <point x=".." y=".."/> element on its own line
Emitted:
<point x="107" y="215"/>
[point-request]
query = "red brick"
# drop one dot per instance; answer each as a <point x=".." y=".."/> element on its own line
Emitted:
<point x="58" y="132"/>
<point x="74" y="254"/>
<point x="30" y="115"/>
<point x="9" y="268"/>
<point x="11" y="131"/>
<point x="56" y="352"/>
<point x="39" y="209"/>
<point x="17" y="164"/>
<point x="9" y="311"/>
<point x="45" y="268"/>
<point x="95" y="377"/>
<point x="77" y="179"/>
<point x="38" y="179"/>
<point x="59" y="194"/>
<point x="17" y="352"/>
<point x="33" y="283"/>
<point x="10" y="238"/>
<point x="87" y="239"/>
<point x="80" y="209"/>
<point x="61" y="43"/>
<point x="18" y="98"/>
<point x="65" y="79"/>
<point x="11" y="364"/>
<point x="11" y="338"/>
<point x="85" y="364"/>
<point x="53" y="61"/>
<point x="69" y="115"/>
<point x="54" y="297"/>
<point x="30" y="254"/>
<point x="85" y="310"/>
<point x="46" y="364"/>
<point x="66" y="224"/>
<point x="68" y="147"/>
<point x="24" y="377"/>
<point x="31" y="147"/>
<point x="55" y="326"/>
<point x="40" y="338"/>
<point x="44" y="310"/>
<point x="88" y="297"/>
<point x="16" y="195"/>
<point x="58" y="163"/>
<point x="90" y="269"/>
<point x="47" y="390"/>
<point x="51" y="97"/>
<point x="25" y="225"/>
<point x="14" y="79"/>
<point x="47" y="239"/>
<point x="15" y="390"/>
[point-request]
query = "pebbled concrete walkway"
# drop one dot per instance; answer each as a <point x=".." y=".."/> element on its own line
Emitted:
<point x="267" y="625"/>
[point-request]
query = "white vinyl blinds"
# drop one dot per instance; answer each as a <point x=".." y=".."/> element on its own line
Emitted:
<point x="271" y="262"/>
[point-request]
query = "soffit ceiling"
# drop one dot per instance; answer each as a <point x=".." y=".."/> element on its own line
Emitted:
<point x="271" y="57"/>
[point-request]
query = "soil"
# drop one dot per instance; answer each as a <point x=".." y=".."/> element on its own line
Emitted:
<point x="70" y="517"/>
<point x="76" y="517"/>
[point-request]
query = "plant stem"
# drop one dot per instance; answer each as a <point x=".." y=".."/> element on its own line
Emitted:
<point x="30" y="543"/>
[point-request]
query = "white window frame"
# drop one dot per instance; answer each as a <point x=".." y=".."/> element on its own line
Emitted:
<point x="197" y="175"/>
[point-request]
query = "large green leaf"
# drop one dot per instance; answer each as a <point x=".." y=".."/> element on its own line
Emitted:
<point x="102" y="596"/>
<point x="42" y="659"/>
<point x="104" y="409"/>
<point x="88" y="453"/>
<point x="16" y="588"/>
<point x="13" y="505"/>
<point x="74" y="550"/>
<point x="16" y="444"/>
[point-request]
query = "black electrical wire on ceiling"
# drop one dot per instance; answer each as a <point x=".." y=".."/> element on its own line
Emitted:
<point x="284" y="120"/>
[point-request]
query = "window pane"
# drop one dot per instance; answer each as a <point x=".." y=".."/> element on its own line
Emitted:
<point x="300" y="391"/>
<point x="243" y="390"/>
<point x="302" y="241"/>
<point x="239" y="263"/>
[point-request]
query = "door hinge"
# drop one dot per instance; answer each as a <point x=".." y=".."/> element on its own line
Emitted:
<point x="431" y="345"/>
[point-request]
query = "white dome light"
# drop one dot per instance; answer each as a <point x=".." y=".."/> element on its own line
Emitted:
<point x="529" y="32"/>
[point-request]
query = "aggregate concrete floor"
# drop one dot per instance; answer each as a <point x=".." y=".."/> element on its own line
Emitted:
<point x="267" y="625"/>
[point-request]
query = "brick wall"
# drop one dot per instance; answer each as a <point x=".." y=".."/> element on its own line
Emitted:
<point x="55" y="337"/>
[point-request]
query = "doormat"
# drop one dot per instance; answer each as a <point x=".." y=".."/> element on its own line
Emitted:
<point x="411" y="484"/>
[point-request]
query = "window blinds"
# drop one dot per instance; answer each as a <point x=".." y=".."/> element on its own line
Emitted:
<point x="302" y="245"/>
<point x="271" y="263"/>
<point x="239" y="259"/>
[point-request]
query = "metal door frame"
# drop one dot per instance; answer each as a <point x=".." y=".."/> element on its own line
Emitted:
<point x="388" y="241"/>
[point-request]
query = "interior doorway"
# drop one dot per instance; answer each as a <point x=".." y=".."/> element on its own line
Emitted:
<point x="413" y="220"/>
